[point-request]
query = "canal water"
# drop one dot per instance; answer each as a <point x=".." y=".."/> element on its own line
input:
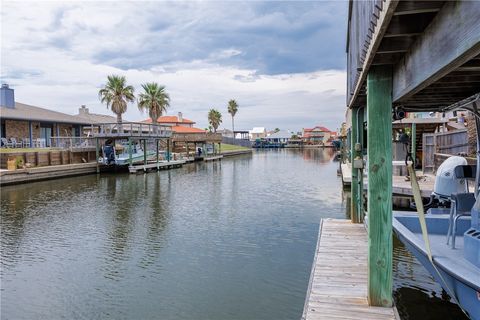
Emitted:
<point x="226" y="240"/>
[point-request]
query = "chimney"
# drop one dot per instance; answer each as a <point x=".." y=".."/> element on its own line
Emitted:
<point x="180" y="117"/>
<point x="83" y="110"/>
<point x="7" y="97"/>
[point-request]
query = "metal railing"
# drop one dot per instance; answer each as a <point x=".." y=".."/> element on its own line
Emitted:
<point x="129" y="129"/>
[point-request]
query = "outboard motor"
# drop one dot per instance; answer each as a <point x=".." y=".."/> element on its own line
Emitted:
<point x="109" y="153"/>
<point x="446" y="184"/>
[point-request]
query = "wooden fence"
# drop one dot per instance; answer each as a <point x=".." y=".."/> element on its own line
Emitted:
<point x="449" y="143"/>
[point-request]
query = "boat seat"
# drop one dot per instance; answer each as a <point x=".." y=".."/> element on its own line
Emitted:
<point x="461" y="203"/>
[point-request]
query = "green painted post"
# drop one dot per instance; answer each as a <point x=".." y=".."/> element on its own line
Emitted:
<point x="414" y="143"/>
<point x="130" y="160"/>
<point x="168" y="150"/>
<point x="354" y="184"/>
<point x="360" y="210"/>
<point x="97" y="153"/>
<point x="379" y="134"/>
<point x="144" y="154"/>
<point x="157" y="153"/>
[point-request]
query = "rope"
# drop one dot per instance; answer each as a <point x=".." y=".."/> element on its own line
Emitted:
<point x="423" y="224"/>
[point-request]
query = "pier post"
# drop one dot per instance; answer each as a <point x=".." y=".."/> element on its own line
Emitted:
<point x="97" y="153"/>
<point x="414" y="143"/>
<point x="379" y="134"/>
<point x="354" y="214"/>
<point x="156" y="142"/>
<point x="144" y="154"/>
<point x="130" y="160"/>
<point x="168" y="150"/>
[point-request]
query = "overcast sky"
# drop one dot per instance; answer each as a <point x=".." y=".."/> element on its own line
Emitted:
<point x="283" y="62"/>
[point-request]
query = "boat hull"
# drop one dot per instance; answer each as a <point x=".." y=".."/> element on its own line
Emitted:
<point x="458" y="277"/>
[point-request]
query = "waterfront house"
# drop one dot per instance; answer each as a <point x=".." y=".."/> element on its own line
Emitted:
<point x="23" y="125"/>
<point x="282" y="136"/>
<point x="179" y="124"/>
<point x="258" y="133"/>
<point x="84" y="113"/>
<point x="316" y="135"/>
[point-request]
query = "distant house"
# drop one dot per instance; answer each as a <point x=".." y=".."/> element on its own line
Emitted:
<point x="258" y="133"/>
<point x="34" y="126"/>
<point x="93" y="118"/>
<point x="282" y="136"/>
<point x="316" y="135"/>
<point x="179" y="124"/>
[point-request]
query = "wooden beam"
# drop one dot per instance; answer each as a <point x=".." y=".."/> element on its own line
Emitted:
<point x="451" y="39"/>
<point x="388" y="8"/>
<point x="396" y="44"/>
<point x="415" y="7"/>
<point x="408" y="25"/>
<point x="379" y="104"/>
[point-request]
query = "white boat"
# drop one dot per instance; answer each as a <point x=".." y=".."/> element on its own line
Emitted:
<point x="137" y="155"/>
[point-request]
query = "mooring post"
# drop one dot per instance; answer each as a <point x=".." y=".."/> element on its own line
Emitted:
<point x="156" y="140"/>
<point x="144" y="154"/>
<point x="360" y="210"/>
<point x="354" y="171"/>
<point x="414" y="143"/>
<point x="97" y="153"/>
<point x="130" y="160"/>
<point x="168" y="150"/>
<point x="379" y="135"/>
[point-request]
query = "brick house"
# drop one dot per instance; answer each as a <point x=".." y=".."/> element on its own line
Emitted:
<point x="25" y="122"/>
<point x="316" y="135"/>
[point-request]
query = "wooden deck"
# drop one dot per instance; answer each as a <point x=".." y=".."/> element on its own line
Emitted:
<point x="338" y="282"/>
<point x="402" y="187"/>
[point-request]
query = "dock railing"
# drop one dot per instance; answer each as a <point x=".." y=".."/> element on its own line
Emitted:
<point x="73" y="143"/>
<point x="129" y="129"/>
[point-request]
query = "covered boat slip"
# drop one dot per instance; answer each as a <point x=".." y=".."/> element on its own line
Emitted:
<point x="402" y="56"/>
<point x="133" y="134"/>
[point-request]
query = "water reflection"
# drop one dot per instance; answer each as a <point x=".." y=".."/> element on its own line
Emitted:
<point x="226" y="240"/>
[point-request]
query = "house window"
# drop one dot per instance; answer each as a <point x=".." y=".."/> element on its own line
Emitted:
<point x="46" y="133"/>
<point x="3" y="131"/>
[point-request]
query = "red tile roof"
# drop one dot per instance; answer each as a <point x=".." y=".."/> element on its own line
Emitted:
<point x="318" y="128"/>
<point x="182" y="129"/>
<point x="170" y="119"/>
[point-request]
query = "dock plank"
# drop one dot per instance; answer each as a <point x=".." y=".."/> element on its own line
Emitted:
<point x="338" y="284"/>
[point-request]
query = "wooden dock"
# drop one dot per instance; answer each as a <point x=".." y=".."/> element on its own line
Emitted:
<point x="403" y="187"/>
<point x="156" y="166"/>
<point x="338" y="282"/>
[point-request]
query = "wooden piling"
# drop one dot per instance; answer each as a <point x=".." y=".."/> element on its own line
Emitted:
<point x="414" y="143"/>
<point x="379" y="134"/>
<point x="354" y="216"/>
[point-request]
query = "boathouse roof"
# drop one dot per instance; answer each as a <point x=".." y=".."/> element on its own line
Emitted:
<point x="433" y="48"/>
<point x="282" y="134"/>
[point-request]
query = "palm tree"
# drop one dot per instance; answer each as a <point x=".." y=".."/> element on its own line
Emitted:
<point x="154" y="99"/>
<point x="116" y="94"/>
<point x="232" y="109"/>
<point x="214" y="118"/>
